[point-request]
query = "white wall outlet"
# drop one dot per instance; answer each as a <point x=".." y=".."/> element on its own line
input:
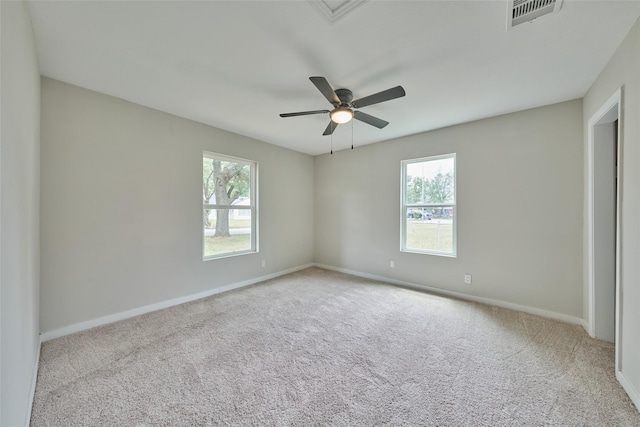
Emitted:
<point x="263" y="263"/>
<point x="392" y="264"/>
<point x="467" y="279"/>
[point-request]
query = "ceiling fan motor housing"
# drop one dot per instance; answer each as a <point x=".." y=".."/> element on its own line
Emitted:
<point x="345" y="96"/>
<point x="343" y="112"/>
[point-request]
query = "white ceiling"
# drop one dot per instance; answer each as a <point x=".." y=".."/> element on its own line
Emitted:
<point x="236" y="65"/>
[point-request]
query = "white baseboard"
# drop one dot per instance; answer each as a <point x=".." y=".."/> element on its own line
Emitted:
<point x="82" y="326"/>
<point x="632" y="392"/>
<point x="32" y="391"/>
<point x="585" y="325"/>
<point x="498" y="303"/>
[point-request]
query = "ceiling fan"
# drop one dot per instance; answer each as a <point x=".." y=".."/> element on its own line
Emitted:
<point x="344" y="108"/>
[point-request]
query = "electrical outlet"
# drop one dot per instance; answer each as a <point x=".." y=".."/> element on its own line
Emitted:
<point x="392" y="264"/>
<point x="467" y="279"/>
<point x="263" y="263"/>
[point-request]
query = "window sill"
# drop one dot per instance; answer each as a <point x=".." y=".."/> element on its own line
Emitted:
<point x="421" y="252"/>
<point x="228" y="255"/>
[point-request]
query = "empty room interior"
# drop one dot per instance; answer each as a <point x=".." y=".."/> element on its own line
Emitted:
<point x="320" y="212"/>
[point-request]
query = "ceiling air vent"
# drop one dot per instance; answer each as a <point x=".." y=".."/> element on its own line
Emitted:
<point x="333" y="10"/>
<point x="521" y="11"/>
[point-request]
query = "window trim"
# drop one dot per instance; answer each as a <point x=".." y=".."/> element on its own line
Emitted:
<point x="253" y="206"/>
<point x="405" y="206"/>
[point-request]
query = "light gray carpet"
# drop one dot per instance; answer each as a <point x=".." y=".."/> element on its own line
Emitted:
<point x="322" y="348"/>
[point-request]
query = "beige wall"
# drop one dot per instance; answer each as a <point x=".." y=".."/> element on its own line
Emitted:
<point x="19" y="200"/>
<point x="623" y="70"/>
<point x="121" y="207"/>
<point x="519" y="194"/>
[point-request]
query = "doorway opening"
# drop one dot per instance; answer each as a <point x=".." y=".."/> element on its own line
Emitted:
<point x="603" y="222"/>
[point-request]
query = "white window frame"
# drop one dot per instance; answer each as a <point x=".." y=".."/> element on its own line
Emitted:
<point x="404" y="207"/>
<point x="253" y="206"/>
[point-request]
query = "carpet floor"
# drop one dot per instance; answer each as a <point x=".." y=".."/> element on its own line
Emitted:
<point x="318" y="347"/>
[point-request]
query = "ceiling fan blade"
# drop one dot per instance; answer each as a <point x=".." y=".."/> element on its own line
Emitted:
<point x="330" y="128"/>
<point x="303" y="113"/>
<point x="325" y="88"/>
<point x="373" y="121"/>
<point x="385" y="95"/>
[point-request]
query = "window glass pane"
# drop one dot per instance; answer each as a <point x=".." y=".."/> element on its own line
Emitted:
<point x="430" y="229"/>
<point x="229" y="210"/>
<point x="431" y="181"/>
<point x="225" y="182"/>
<point x="226" y="231"/>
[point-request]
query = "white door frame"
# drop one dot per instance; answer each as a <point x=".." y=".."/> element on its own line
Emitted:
<point x="615" y="101"/>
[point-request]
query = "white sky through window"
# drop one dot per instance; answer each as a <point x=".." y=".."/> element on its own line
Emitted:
<point x="430" y="168"/>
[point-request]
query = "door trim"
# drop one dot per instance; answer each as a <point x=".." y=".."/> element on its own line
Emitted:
<point x="614" y="101"/>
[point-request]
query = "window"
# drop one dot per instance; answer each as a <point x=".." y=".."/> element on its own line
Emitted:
<point x="428" y="222"/>
<point x="229" y="206"/>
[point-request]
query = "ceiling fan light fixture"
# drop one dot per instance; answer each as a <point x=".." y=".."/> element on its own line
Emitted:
<point x="341" y="115"/>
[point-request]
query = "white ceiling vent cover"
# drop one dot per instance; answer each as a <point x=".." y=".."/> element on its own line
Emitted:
<point x="521" y="11"/>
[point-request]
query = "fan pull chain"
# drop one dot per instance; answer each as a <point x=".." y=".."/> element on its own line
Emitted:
<point x="332" y="143"/>
<point x="352" y="134"/>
